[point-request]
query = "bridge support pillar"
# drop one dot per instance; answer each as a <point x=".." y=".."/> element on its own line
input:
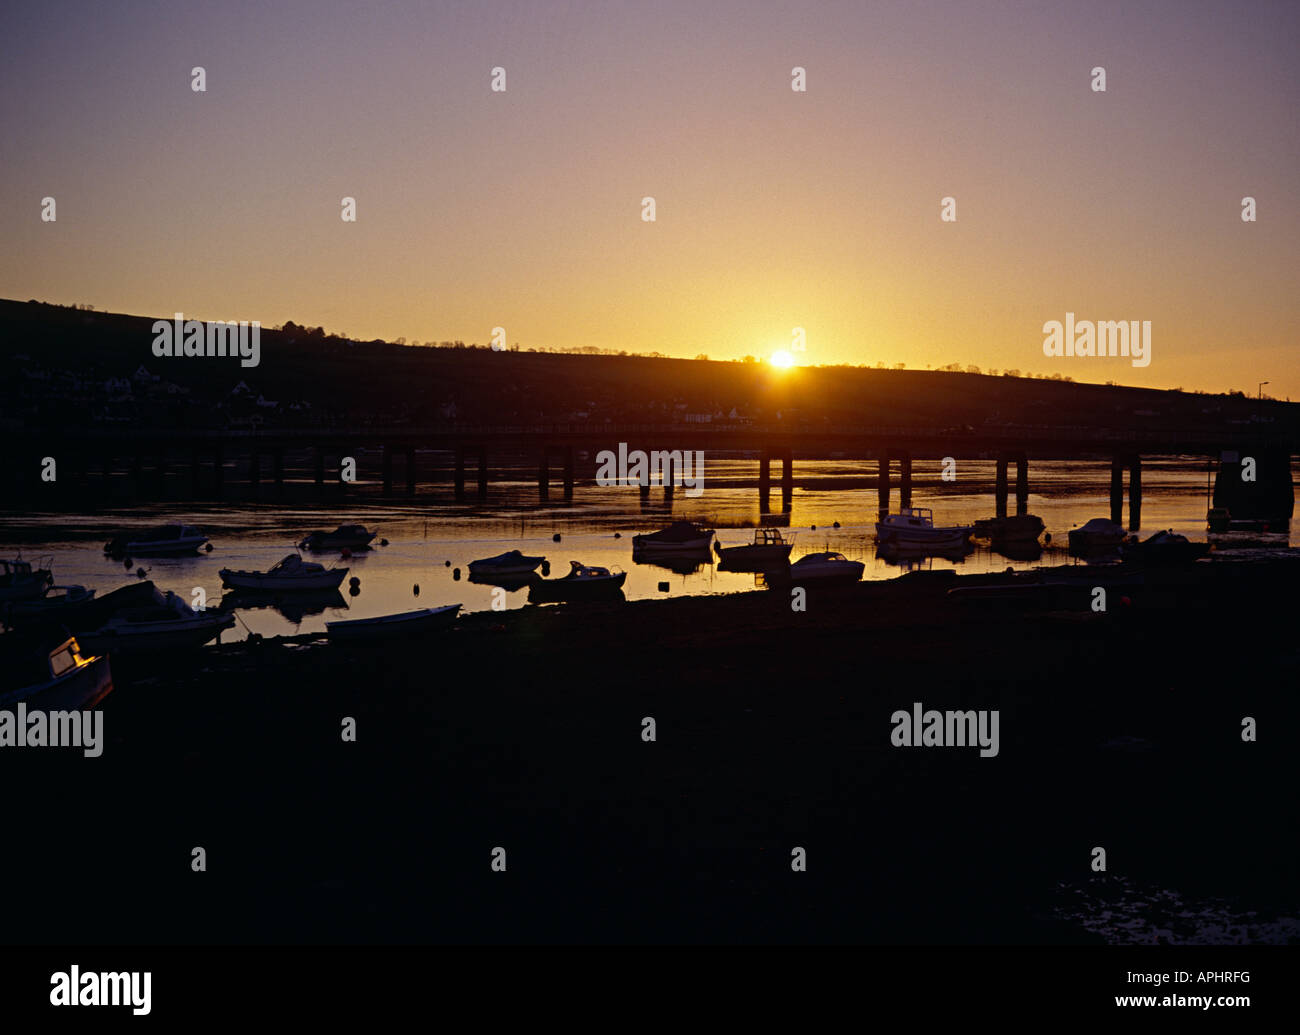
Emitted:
<point x="544" y="474"/>
<point x="460" y="472"/>
<point x="482" y="472"/>
<point x="787" y="480"/>
<point x="410" y="472"/>
<point x="1000" y="489"/>
<point x="905" y="479"/>
<point x="1022" y="484"/>
<point x="1134" y="493"/>
<point x="1117" y="490"/>
<point x="669" y="476"/>
<point x="568" y="472"/>
<point x="882" y="484"/>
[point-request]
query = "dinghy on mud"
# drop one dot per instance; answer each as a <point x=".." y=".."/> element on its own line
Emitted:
<point x="392" y="627"/>
<point x="166" y="623"/>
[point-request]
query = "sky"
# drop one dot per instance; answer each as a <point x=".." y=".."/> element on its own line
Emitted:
<point x="774" y="208"/>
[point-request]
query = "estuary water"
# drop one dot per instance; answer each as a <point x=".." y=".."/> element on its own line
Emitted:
<point x="432" y="538"/>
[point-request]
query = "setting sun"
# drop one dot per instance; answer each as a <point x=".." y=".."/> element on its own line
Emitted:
<point x="782" y="358"/>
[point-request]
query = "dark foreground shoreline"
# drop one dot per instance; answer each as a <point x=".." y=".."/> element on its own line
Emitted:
<point x="523" y="730"/>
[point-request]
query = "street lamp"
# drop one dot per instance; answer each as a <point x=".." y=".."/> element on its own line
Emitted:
<point x="1261" y="387"/>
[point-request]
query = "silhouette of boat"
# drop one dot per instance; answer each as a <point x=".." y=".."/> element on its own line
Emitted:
<point x="768" y="550"/>
<point x="290" y="574"/>
<point x="914" y="526"/>
<point x="1096" y="536"/>
<point x="825" y="568"/>
<point x="1022" y="528"/>
<point x="166" y="623"/>
<point x="345" y="537"/>
<point x="161" y="541"/>
<point x="583" y="583"/>
<point x="511" y="563"/>
<point x="63" y="677"/>
<point x="391" y="627"/>
<point x="59" y="602"/>
<point x="679" y="537"/>
<point x="1166" y="547"/>
<point x="20" y="581"/>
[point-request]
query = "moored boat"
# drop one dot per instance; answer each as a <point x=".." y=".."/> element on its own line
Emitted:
<point x="58" y="602"/>
<point x="63" y="677"/>
<point x="167" y="623"/>
<point x="510" y="563"/>
<point x="287" y="575"/>
<point x="162" y="541"/>
<point x="581" y="584"/>
<point x="1020" y="528"/>
<point x="769" y="549"/>
<point x="1220" y="519"/>
<point x="914" y="526"/>
<point x="679" y="537"/>
<point x="345" y="537"/>
<point x="20" y="581"/>
<point x="822" y="568"/>
<point x="391" y="627"/>
<point x="1167" y="547"/>
<point x="1096" y="536"/>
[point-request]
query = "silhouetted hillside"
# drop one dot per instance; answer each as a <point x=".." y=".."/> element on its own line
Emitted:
<point x="65" y="365"/>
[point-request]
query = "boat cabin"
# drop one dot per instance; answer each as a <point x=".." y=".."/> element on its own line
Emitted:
<point x="912" y="517"/>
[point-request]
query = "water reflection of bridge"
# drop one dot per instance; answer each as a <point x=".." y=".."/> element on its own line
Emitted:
<point x="211" y="455"/>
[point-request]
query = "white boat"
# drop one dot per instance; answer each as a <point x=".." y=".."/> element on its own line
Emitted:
<point x="389" y="627"/>
<point x="825" y="567"/>
<point x="162" y="541"/>
<point x="62" y="679"/>
<point x="679" y="537"/>
<point x="20" y="581"/>
<point x="168" y="624"/>
<point x="511" y="563"/>
<point x="914" y="526"/>
<point x="290" y="574"/>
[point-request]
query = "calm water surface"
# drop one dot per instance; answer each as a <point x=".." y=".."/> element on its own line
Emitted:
<point x="432" y="536"/>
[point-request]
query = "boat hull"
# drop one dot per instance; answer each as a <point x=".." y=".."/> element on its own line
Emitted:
<point x="391" y="627"/>
<point x="131" y="637"/>
<point x="1094" y="543"/>
<point x="161" y="548"/>
<point x="700" y="544"/>
<point x="566" y="590"/>
<point x="328" y="544"/>
<point x="754" y="558"/>
<point x="932" y="538"/>
<point x="82" y="687"/>
<point x="263" y="583"/>
<point x="26" y="589"/>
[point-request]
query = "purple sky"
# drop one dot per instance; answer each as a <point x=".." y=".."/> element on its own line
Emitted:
<point x="775" y="209"/>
